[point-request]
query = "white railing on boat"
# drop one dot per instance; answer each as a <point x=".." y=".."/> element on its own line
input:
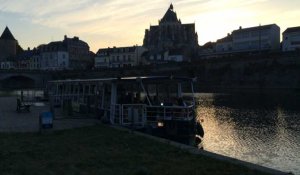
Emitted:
<point x="140" y="114"/>
<point x="134" y="114"/>
<point x="170" y="112"/>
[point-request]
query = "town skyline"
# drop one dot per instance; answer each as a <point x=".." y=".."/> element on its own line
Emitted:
<point x="95" y="22"/>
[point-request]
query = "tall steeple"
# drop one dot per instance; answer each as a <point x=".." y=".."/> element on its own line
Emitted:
<point x="7" y="35"/>
<point x="171" y="7"/>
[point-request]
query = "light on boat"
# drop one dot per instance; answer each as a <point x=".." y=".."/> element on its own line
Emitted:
<point x="161" y="104"/>
<point x="160" y="124"/>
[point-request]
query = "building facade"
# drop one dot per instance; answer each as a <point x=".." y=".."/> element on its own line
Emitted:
<point x="7" y="65"/>
<point x="102" y="59"/>
<point x="53" y="56"/>
<point x="119" y="57"/>
<point x="170" y="34"/>
<point x="35" y="62"/>
<point x="291" y="39"/>
<point x="71" y="53"/>
<point x="254" y="39"/>
<point x="260" y="38"/>
<point x="225" y="44"/>
<point x="79" y="53"/>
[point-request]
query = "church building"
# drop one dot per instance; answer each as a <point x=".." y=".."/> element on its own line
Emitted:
<point x="171" y="34"/>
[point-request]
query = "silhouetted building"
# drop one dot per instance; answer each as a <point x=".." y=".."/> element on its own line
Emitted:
<point x="249" y="40"/>
<point x="53" y="56"/>
<point x="291" y="39"/>
<point x="9" y="46"/>
<point x="260" y="38"/>
<point x="225" y="44"/>
<point x="71" y="53"/>
<point x="171" y="34"/>
<point x="23" y="59"/>
<point x="119" y="57"/>
<point x="79" y="53"/>
<point x="208" y="50"/>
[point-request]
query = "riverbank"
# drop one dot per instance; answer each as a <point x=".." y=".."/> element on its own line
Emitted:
<point x="12" y="121"/>
<point x="102" y="150"/>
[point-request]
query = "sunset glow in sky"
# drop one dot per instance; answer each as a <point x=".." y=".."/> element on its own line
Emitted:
<point x="107" y="23"/>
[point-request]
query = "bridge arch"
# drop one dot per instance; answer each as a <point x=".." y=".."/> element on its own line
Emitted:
<point x="17" y="82"/>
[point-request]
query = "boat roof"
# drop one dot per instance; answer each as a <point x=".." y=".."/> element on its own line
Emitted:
<point x="149" y="79"/>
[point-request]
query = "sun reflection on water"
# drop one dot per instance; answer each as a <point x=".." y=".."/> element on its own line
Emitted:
<point x="266" y="136"/>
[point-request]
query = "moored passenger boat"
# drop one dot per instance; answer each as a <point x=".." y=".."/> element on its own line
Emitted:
<point x="155" y="105"/>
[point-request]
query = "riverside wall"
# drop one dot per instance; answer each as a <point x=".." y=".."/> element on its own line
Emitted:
<point x="235" y="74"/>
<point x="241" y="73"/>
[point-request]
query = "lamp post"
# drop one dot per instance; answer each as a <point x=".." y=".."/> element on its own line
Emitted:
<point x="137" y="55"/>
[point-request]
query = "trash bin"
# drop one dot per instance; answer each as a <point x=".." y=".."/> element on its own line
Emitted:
<point x="46" y="120"/>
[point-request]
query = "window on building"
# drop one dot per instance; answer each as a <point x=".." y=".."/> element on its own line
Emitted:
<point x="255" y="34"/>
<point x="265" y="32"/>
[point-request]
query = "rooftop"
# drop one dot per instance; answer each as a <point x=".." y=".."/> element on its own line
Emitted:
<point x="254" y="28"/>
<point x="7" y="35"/>
<point x="292" y="29"/>
<point x="107" y="51"/>
<point x="228" y="38"/>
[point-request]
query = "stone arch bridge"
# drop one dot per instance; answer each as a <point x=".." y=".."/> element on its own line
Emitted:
<point x="24" y="79"/>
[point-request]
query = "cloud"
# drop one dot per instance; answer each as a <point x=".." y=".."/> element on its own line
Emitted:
<point x="122" y="22"/>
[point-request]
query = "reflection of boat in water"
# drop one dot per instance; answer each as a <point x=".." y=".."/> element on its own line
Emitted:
<point x="154" y="105"/>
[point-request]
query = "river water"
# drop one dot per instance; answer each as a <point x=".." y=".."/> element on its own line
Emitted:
<point x="258" y="128"/>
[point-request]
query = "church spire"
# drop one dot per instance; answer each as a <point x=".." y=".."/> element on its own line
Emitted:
<point x="171" y="7"/>
<point x="170" y="16"/>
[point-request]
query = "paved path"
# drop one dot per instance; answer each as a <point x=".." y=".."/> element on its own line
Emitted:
<point x="11" y="121"/>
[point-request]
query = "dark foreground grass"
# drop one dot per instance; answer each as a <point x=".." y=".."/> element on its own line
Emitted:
<point x="101" y="150"/>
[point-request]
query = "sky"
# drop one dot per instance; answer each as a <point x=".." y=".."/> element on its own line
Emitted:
<point x="107" y="23"/>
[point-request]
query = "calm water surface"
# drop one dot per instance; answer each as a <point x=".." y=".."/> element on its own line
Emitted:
<point x="258" y="128"/>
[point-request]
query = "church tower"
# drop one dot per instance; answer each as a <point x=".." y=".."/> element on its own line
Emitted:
<point x="8" y="45"/>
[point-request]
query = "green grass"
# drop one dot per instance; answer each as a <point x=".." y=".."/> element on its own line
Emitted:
<point x="101" y="150"/>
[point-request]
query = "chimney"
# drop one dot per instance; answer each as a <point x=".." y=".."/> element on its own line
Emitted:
<point x="240" y="28"/>
<point x="65" y="37"/>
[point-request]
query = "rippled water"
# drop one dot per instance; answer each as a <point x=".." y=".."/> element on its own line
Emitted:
<point x="258" y="128"/>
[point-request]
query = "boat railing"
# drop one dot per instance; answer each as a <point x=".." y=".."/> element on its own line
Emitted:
<point x="134" y="115"/>
<point x="155" y="113"/>
<point x="116" y="114"/>
<point x="137" y="115"/>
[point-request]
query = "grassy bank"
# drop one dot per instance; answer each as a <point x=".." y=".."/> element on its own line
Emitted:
<point x="101" y="150"/>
